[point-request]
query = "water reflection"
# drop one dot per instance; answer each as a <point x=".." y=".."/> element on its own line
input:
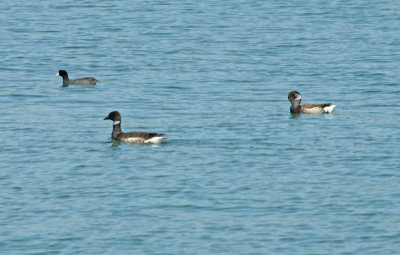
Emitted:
<point x="294" y="115"/>
<point x="116" y="144"/>
<point x="326" y="116"/>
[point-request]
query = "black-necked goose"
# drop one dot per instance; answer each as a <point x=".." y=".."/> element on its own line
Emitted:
<point x="295" y="98"/>
<point x="79" y="81"/>
<point x="132" y="137"/>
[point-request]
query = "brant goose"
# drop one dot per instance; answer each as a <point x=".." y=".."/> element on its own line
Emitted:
<point x="79" y="81"/>
<point x="295" y="98"/>
<point x="132" y="137"/>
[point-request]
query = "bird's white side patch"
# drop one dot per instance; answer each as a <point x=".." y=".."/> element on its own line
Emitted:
<point x="133" y="140"/>
<point x="156" y="139"/>
<point x="329" y="109"/>
<point x="58" y="74"/>
<point x="116" y="122"/>
<point x="314" y="110"/>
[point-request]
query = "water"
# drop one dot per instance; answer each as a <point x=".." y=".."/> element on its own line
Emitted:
<point x="239" y="174"/>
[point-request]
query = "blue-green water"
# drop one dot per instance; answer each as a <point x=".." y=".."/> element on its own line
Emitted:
<point x="239" y="174"/>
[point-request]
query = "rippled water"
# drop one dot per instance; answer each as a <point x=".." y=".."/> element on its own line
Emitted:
<point x="239" y="174"/>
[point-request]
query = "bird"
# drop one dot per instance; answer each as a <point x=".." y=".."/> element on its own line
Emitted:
<point x="295" y="98"/>
<point x="132" y="137"/>
<point x="78" y="81"/>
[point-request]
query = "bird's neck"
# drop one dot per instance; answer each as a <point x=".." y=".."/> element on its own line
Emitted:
<point x="295" y="107"/>
<point x="116" y="129"/>
<point x="65" y="79"/>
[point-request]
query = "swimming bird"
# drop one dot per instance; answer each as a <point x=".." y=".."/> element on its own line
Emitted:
<point x="131" y="137"/>
<point x="295" y="98"/>
<point x="79" y="81"/>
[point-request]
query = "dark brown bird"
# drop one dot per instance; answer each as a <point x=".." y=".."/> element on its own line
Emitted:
<point x="132" y="137"/>
<point x="295" y="98"/>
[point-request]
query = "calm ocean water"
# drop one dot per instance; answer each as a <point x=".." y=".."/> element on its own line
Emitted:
<point x="239" y="174"/>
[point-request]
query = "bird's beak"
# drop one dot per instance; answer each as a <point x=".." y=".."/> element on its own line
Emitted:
<point x="106" y="118"/>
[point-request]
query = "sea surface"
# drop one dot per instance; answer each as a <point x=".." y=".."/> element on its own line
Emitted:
<point x="238" y="174"/>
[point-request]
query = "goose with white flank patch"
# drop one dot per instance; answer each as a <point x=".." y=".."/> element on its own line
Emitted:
<point x="295" y="98"/>
<point x="132" y="137"/>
